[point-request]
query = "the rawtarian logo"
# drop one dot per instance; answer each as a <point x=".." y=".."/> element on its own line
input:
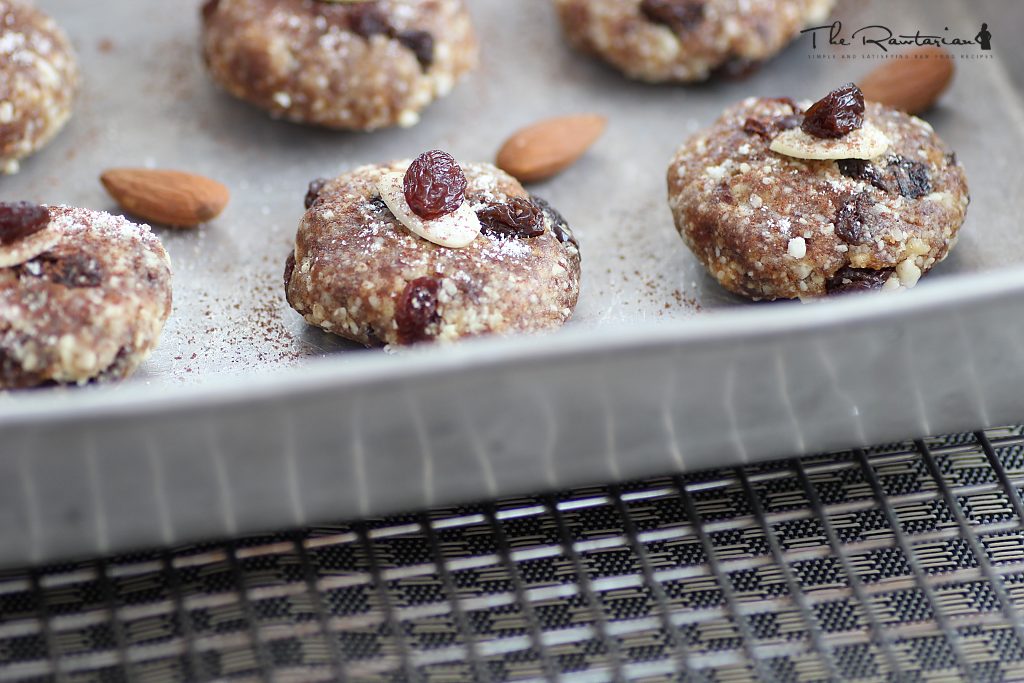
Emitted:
<point x="883" y="37"/>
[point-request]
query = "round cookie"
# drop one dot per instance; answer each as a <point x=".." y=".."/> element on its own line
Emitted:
<point x="90" y="307"/>
<point x="686" y="40"/>
<point x="767" y="225"/>
<point x="349" y="65"/>
<point x="360" y="273"/>
<point x="38" y="81"/>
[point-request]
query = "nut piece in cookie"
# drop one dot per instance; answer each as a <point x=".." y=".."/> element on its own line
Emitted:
<point x="38" y="81"/>
<point x="686" y="40"/>
<point x="783" y="201"/>
<point x="348" y="65"/>
<point x="430" y="251"/>
<point x="83" y="295"/>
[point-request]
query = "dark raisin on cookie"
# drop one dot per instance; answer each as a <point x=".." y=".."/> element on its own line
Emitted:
<point x="19" y="220"/>
<point x="374" y="340"/>
<point x="759" y="127"/>
<point x="849" y="279"/>
<point x="416" y="309"/>
<point x="836" y="114"/>
<point x="517" y="218"/>
<point x="14" y="376"/>
<point x="852" y="219"/>
<point x="681" y="16"/>
<point x="435" y="185"/>
<point x="74" y="271"/>
<point x="313" y="193"/>
<point x="911" y="177"/>
<point x="367" y="20"/>
<point x="767" y="128"/>
<point x="422" y="45"/>
<point x="559" y="226"/>
<point x="377" y="205"/>
<point x="905" y="176"/>
<point x="289" y="269"/>
<point x="860" y="169"/>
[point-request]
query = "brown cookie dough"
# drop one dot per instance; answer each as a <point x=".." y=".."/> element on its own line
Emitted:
<point x="770" y="226"/>
<point x="358" y="272"/>
<point x="91" y="307"/>
<point x="686" y="40"/>
<point x="349" y="65"/>
<point x="38" y="81"/>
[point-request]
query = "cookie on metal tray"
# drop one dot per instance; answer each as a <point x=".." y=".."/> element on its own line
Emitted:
<point x="429" y="250"/>
<point x="38" y="81"/>
<point x="781" y="200"/>
<point x="686" y="40"/>
<point x="83" y="295"/>
<point x="350" y="64"/>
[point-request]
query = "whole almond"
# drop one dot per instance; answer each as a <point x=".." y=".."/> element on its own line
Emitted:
<point x="171" y="198"/>
<point x="912" y="84"/>
<point x="548" y="147"/>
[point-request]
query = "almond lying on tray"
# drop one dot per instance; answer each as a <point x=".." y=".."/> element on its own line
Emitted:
<point x="546" y="148"/>
<point x="170" y="198"/>
<point x="914" y="82"/>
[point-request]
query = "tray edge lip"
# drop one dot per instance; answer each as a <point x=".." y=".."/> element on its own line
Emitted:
<point x="741" y="324"/>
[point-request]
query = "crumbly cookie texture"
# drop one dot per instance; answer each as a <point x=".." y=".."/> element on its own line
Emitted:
<point x="355" y="265"/>
<point x="90" y="308"/>
<point x="38" y="81"/>
<point x="705" y="36"/>
<point x="349" y="65"/>
<point x="770" y="226"/>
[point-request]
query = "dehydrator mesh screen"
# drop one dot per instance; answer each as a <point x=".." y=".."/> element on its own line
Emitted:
<point x="904" y="562"/>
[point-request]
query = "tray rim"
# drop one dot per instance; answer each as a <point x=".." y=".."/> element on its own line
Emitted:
<point x="328" y="374"/>
<point x="740" y="323"/>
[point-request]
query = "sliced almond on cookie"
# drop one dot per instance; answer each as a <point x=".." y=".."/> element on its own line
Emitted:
<point x="867" y="142"/>
<point x="26" y="231"/>
<point x="455" y="230"/>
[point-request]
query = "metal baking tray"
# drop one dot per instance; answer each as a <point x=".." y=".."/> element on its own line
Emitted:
<point x="246" y="419"/>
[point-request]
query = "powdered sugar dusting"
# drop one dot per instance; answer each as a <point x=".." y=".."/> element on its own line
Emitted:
<point x="74" y="221"/>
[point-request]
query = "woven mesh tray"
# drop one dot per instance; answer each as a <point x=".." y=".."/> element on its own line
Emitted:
<point x="898" y="563"/>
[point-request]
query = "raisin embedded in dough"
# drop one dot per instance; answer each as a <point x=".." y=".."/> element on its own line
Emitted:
<point x="686" y="40"/>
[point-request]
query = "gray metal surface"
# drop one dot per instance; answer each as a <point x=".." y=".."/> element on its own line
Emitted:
<point x="650" y="377"/>
<point x="147" y="101"/>
<point x="895" y="563"/>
